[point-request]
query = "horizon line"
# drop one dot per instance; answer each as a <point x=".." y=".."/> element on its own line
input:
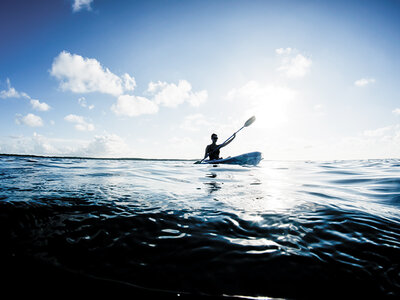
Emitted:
<point x="180" y="159"/>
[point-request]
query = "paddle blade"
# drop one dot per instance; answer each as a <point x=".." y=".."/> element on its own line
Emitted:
<point x="250" y="121"/>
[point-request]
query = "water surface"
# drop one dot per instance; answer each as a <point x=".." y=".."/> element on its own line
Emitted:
<point x="281" y="229"/>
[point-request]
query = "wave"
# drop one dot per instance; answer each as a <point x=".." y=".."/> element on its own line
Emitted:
<point x="285" y="229"/>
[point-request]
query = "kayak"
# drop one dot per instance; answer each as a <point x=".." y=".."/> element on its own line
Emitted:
<point x="252" y="158"/>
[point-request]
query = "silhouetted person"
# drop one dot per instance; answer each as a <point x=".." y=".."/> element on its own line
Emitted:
<point x="212" y="150"/>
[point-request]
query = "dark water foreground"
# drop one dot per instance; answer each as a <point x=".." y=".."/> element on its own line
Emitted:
<point x="86" y="227"/>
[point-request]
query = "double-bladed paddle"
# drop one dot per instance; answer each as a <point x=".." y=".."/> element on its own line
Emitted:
<point x="247" y="124"/>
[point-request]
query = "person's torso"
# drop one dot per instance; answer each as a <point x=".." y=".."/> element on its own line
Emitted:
<point x="214" y="154"/>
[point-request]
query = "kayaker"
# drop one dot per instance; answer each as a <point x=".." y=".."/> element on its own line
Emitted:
<point x="212" y="150"/>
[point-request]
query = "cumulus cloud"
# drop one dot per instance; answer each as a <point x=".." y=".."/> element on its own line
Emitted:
<point x="10" y="93"/>
<point x="35" y="144"/>
<point x="85" y="75"/>
<point x="172" y="95"/>
<point x="281" y="51"/>
<point x="30" y="120"/>
<point x="13" y="93"/>
<point x="364" y="82"/>
<point x="293" y="64"/>
<point x="78" y="5"/>
<point x="129" y="82"/>
<point x="82" y="102"/>
<point x="160" y="94"/>
<point x="40" y="106"/>
<point x="80" y="123"/>
<point x="198" y="98"/>
<point x="107" y="145"/>
<point x="41" y="145"/>
<point x="133" y="106"/>
<point x="396" y="111"/>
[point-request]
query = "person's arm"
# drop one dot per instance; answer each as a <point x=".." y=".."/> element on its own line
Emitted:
<point x="206" y="154"/>
<point x="227" y="142"/>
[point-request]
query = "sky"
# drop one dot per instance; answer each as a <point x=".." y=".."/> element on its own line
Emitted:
<point x="154" y="79"/>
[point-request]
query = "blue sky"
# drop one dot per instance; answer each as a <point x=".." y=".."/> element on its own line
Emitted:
<point x="155" y="78"/>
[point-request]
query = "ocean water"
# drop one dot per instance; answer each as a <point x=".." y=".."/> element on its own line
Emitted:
<point x="174" y="229"/>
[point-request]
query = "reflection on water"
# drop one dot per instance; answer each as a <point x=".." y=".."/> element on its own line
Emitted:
<point x="212" y="186"/>
<point x="281" y="229"/>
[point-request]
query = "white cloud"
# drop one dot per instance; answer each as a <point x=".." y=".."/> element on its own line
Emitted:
<point x="133" y="106"/>
<point x="85" y="75"/>
<point x="10" y="93"/>
<point x="281" y="51"/>
<point x="107" y="145"/>
<point x="129" y="82"/>
<point x="80" y="123"/>
<point x="396" y="111"/>
<point x="364" y="82"/>
<point x="155" y="87"/>
<point x="82" y="102"/>
<point x="30" y="120"/>
<point x="198" y="98"/>
<point x="13" y="93"/>
<point x="78" y="5"/>
<point x="172" y="95"/>
<point x="42" y="145"/>
<point x="160" y="93"/>
<point x="41" y="106"/>
<point x="35" y="144"/>
<point x="293" y="64"/>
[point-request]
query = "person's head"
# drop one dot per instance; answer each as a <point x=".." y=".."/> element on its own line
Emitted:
<point x="214" y="137"/>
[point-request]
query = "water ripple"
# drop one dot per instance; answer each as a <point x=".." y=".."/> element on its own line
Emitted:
<point x="285" y="229"/>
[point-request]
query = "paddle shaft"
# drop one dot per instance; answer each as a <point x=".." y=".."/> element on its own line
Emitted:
<point x="227" y="140"/>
